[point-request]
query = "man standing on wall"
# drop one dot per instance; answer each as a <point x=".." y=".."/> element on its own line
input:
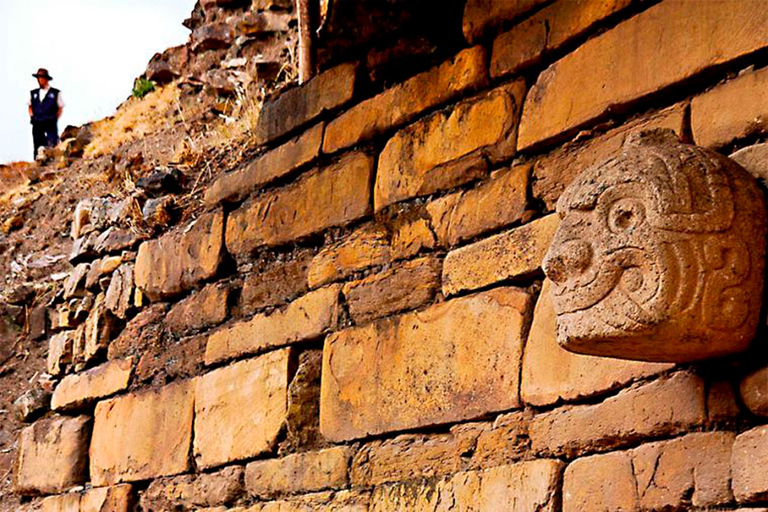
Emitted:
<point x="45" y="106"/>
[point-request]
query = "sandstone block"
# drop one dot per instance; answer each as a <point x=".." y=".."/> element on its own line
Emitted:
<point x="271" y="165"/>
<point x="481" y="17"/>
<point x="748" y="460"/>
<point x="754" y="159"/>
<point x="299" y="473"/>
<point x="77" y="390"/>
<point x="453" y="361"/>
<point x="448" y="149"/>
<point x="410" y="237"/>
<point x="552" y="374"/>
<point x="52" y="455"/>
<point x="180" y="260"/>
<point x="331" y="501"/>
<point x="600" y="482"/>
<point x="299" y="105"/>
<point x="525" y="486"/>
<point x="155" y="432"/>
<point x="240" y="409"/>
<point x="500" y="201"/>
<point x="118" y="498"/>
<point x="74" y="285"/>
<point x="731" y="111"/>
<point x="330" y="197"/>
<point x="303" y="417"/>
<point x="99" y="329"/>
<point x="119" y="296"/>
<point x="202" y="309"/>
<point x="664" y="406"/>
<point x="142" y="331"/>
<point x="511" y="254"/>
<point x="465" y="71"/>
<point x="171" y="359"/>
<point x="275" y="285"/>
<point x="308" y="317"/>
<point x="659" y="47"/>
<point x="187" y="492"/>
<point x="59" y="352"/>
<point x="754" y="391"/>
<point x="407" y="286"/>
<point x="100" y="268"/>
<point x="504" y="442"/>
<point x="69" y="502"/>
<point x="366" y="247"/>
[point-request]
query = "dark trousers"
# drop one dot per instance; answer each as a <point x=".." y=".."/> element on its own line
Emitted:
<point x="45" y="134"/>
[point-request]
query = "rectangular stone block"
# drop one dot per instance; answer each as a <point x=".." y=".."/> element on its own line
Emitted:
<point x="118" y="498"/>
<point x="241" y="409"/>
<point x="155" y="432"/>
<point x="731" y="111"/>
<point x="299" y="105"/>
<point x="79" y="389"/>
<point x="448" y="149"/>
<point x="748" y="463"/>
<point x="465" y="71"/>
<point x="299" y="473"/>
<point x="265" y="168"/>
<point x="180" y="260"/>
<point x="406" y="286"/>
<point x="275" y="285"/>
<point x="514" y="253"/>
<point x="498" y="202"/>
<point x="453" y="361"/>
<point x="329" y="197"/>
<point x="524" y="486"/>
<point x="660" y="47"/>
<point x="59" y="352"/>
<point x="331" y="501"/>
<point x="481" y="17"/>
<point x="52" y="455"/>
<point x="665" y="406"/>
<point x="189" y="492"/>
<point x="308" y="317"/>
<point x="552" y="374"/>
<point x="205" y="308"/>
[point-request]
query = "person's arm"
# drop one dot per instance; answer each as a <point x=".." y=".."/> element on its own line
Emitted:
<point x="30" y="110"/>
<point x="60" y="102"/>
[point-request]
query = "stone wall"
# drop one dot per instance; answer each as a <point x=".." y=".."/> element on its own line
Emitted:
<point x="359" y="320"/>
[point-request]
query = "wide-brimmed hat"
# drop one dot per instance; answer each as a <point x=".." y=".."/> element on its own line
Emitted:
<point x="42" y="73"/>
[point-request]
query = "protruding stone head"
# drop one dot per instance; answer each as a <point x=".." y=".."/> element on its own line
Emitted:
<point x="659" y="255"/>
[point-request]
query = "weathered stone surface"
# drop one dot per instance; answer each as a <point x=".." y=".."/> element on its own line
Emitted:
<point x="100" y="328"/>
<point x="191" y="491"/>
<point x="299" y="473"/>
<point x="407" y="286"/>
<point x="118" y="498"/>
<point x="240" y="409"/>
<point x="557" y="170"/>
<point x="667" y="475"/>
<point x="52" y="455"/>
<point x="170" y="359"/>
<point x="453" y="361"/>
<point x="144" y="330"/>
<point x="500" y="201"/>
<point x="275" y="285"/>
<point x="481" y="17"/>
<point x="511" y="254"/>
<point x="448" y="149"/>
<point x="107" y="379"/>
<point x="119" y="297"/>
<point x="114" y="240"/>
<point x="505" y="441"/>
<point x="332" y="196"/>
<point x="366" y="247"/>
<point x="100" y="268"/>
<point x="299" y="105"/>
<point x="657" y="48"/>
<point x="410" y="237"/>
<point x="524" y="486"/>
<point x="306" y="318"/>
<point x="551" y="373"/>
<point x="664" y="406"/>
<point x="465" y="71"/>
<point x="211" y="36"/>
<point x="202" y="309"/>
<point x="331" y="501"/>
<point x="754" y="391"/>
<point x="271" y="165"/>
<point x="754" y="159"/>
<point x="253" y="23"/>
<point x="642" y="231"/>
<point x="155" y="432"/>
<point x="748" y="462"/>
<point x="32" y="403"/>
<point x="59" y="352"/>
<point x="181" y="259"/>
<point x="69" y="502"/>
<point x="731" y="111"/>
<point x="303" y="417"/>
<point x="74" y="285"/>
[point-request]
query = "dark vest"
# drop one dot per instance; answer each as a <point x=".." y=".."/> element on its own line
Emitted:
<point x="45" y="109"/>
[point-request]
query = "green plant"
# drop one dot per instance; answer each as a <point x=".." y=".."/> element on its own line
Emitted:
<point x="142" y="87"/>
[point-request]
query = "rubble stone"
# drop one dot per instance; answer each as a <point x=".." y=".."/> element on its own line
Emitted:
<point x="748" y="459"/>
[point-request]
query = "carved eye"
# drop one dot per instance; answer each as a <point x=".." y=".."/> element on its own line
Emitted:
<point x="625" y="215"/>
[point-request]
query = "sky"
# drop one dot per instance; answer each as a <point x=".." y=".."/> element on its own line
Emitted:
<point x="94" y="49"/>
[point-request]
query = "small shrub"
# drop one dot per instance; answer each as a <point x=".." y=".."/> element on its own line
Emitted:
<point x="142" y="87"/>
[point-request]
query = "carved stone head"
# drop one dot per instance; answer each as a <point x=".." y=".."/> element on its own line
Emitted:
<point x="659" y="255"/>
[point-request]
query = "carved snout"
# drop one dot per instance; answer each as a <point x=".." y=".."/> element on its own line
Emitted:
<point x="567" y="260"/>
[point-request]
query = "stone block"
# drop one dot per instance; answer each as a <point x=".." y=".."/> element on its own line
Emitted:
<point x="754" y="391"/>
<point x="99" y="329"/>
<point x="52" y="455"/>
<point x="74" y="285"/>
<point x="303" y="417"/>
<point x="142" y="331"/>
<point x="299" y="473"/>
<point x="240" y="409"/>
<point x="505" y="441"/>
<point x="748" y="461"/>
<point x="155" y="432"/>
<point x="69" y="502"/>
<point x="552" y="374"/>
<point x="171" y="359"/>
<point x="664" y="406"/>
<point x="306" y="318"/>
<point x="119" y="295"/>
<point x="600" y="482"/>
<point x="273" y="164"/>
<point x="188" y="492"/>
<point x="453" y="361"/>
<point x="498" y="202"/>
<point x="406" y="286"/>
<point x="77" y="390"/>
<point x="410" y="237"/>
<point x="118" y="498"/>
<point x="275" y="284"/>
<point x="754" y="159"/>
<point x="59" y="352"/>
<point x="331" y="501"/>
<point x="329" y="197"/>
<point x="731" y="111"/>
<point x="467" y="70"/>
<point x="514" y="253"/>
<point x="180" y="260"/>
<point x="482" y="17"/>
<point x="300" y="105"/>
<point x="660" y="47"/>
<point x="202" y="309"/>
